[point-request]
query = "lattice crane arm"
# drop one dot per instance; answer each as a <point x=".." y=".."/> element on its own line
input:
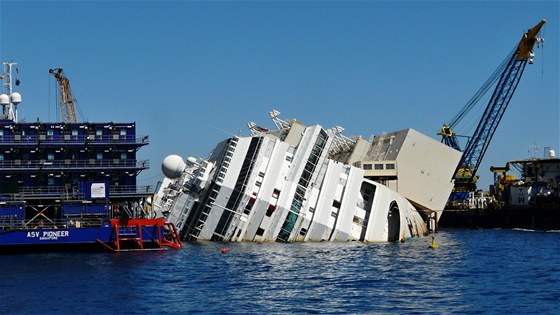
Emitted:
<point x="507" y="83"/>
<point x="67" y="102"/>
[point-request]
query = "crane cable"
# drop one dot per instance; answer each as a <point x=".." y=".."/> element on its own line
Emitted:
<point x="49" y="97"/>
<point x="541" y="45"/>
<point x="482" y="91"/>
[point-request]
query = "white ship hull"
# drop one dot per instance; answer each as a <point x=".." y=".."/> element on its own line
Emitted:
<point x="282" y="186"/>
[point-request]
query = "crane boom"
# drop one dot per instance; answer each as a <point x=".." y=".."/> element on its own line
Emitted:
<point x="67" y="102"/>
<point x="507" y="83"/>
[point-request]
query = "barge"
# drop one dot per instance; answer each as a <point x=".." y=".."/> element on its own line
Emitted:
<point x="525" y="195"/>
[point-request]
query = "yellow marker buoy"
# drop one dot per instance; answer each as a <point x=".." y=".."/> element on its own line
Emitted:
<point x="434" y="245"/>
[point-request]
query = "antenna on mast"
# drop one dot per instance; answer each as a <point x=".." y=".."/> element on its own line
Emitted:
<point x="11" y="99"/>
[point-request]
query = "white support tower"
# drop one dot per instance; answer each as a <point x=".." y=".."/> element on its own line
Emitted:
<point x="255" y="129"/>
<point x="280" y="124"/>
<point x="341" y="143"/>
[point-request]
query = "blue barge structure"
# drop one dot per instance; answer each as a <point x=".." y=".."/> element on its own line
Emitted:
<point x="72" y="186"/>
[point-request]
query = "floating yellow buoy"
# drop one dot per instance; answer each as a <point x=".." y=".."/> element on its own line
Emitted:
<point x="434" y="245"/>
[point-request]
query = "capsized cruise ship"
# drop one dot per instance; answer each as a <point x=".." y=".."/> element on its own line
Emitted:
<point x="308" y="183"/>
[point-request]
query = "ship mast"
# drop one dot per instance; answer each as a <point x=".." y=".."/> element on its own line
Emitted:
<point x="10" y="100"/>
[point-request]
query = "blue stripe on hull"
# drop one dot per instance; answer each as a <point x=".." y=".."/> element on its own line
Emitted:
<point x="55" y="236"/>
<point x="68" y="236"/>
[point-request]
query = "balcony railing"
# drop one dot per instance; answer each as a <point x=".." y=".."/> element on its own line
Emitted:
<point x="63" y="193"/>
<point x="73" y="164"/>
<point x="70" y="139"/>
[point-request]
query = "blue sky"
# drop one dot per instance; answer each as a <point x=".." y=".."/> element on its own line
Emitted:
<point x="191" y="73"/>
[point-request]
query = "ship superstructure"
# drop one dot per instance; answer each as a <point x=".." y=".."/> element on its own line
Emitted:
<point x="71" y="183"/>
<point x="299" y="183"/>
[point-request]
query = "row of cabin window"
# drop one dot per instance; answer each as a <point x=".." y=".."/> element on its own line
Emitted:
<point x="390" y="166"/>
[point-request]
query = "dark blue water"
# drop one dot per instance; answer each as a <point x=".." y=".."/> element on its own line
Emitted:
<point x="473" y="271"/>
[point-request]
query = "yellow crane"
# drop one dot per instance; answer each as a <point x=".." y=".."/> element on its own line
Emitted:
<point x="67" y="102"/>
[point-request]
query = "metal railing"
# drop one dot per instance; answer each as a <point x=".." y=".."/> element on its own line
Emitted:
<point x="76" y="139"/>
<point x="72" y="164"/>
<point x="64" y="193"/>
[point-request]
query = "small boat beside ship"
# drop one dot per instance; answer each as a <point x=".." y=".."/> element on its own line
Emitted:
<point x="72" y="186"/>
<point x="308" y="183"/>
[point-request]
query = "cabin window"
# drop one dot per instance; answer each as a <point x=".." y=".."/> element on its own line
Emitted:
<point x="50" y="132"/>
<point x="213" y="194"/>
<point x="123" y="132"/>
<point x="50" y="181"/>
<point x="1" y="132"/>
<point x="367" y="166"/>
<point x="74" y="132"/>
<point x="248" y="208"/>
<point x="358" y="220"/>
<point x="270" y="210"/>
<point x="390" y="166"/>
<point x="123" y="156"/>
<point x="98" y="132"/>
<point x="99" y="156"/>
<point x="336" y="204"/>
<point x="1" y="157"/>
<point x="50" y="156"/>
<point x="378" y="166"/>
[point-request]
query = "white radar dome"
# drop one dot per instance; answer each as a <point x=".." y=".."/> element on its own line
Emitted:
<point x="16" y="98"/>
<point x="172" y="166"/>
<point x="4" y="99"/>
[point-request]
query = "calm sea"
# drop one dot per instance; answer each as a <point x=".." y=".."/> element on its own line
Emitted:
<point x="473" y="271"/>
